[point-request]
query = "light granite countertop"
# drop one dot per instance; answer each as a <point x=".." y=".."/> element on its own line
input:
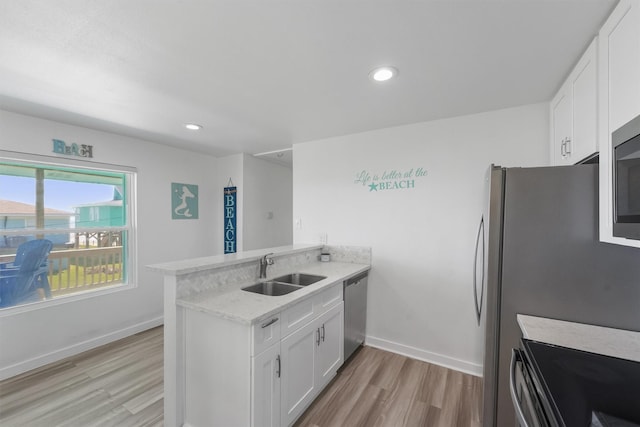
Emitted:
<point x="194" y="265"/>
<point x="248" y="307"/>
<point x="595" y="339"/>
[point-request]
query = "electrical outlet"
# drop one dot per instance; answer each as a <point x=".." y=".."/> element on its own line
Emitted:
<point x="298" y="223"/>
<point x="323" y="238"/>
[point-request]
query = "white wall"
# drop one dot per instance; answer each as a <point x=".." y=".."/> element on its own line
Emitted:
<point x="268" y="204"/>
<point x="263" y="187"/>
<point x="35" y="337"/>
<point x="420" y="295"/>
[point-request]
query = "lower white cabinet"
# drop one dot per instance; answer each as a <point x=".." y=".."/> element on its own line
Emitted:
<point x="265" y="374"/>
<point x="299" y="385"/>
<point x="310" y="358"/>
<point x="331" y="348"/>
<point x="265" y="388"/>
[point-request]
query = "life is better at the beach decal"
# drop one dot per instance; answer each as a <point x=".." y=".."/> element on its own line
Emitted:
<point x="390" y="179"/>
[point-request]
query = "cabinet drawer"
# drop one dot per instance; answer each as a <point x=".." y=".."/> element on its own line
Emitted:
<point x="265" y="333"/>
<point x="297" y="316"/>
<point x="329" y="298"/>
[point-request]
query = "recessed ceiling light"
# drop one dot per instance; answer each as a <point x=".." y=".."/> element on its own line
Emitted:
<point x="382" y="74"/>
<point x="193" y="126"/>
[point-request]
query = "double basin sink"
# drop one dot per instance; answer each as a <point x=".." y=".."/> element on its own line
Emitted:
<point x="284" y="284"/>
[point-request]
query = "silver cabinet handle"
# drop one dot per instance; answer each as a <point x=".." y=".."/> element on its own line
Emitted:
<point x="279" y="366"/>
<point x="475" y="274"/>
<point x="567" y="147"/>
<point x="323" y="332"/>
<point x="515" y="357"/>
<point x="270" y="322"/>
<point x="318" y="337"/>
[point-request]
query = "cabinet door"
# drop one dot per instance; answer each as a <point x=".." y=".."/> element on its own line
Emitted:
<point x="298" y="381"/>
<point x="330" y="351"/>
<point x="584" y="91"/>
<point x="560" y="126"/>
<point x="618" y="97"/>
<point x="620" y="42"/>
<point x="265" y="388"/>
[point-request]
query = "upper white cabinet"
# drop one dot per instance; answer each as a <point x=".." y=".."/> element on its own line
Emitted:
<point x="619" y="97"/>
<point x="574" y="112"/>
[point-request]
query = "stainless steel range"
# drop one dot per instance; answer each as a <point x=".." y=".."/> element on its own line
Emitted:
<point x="558" y="386"/>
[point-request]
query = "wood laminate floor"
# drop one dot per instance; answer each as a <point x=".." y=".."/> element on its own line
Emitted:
<point x="120" y="384"/>
<point x="378" y="388"/>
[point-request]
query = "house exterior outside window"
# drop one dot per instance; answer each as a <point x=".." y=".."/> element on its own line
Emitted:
<point x="86" y="211"/>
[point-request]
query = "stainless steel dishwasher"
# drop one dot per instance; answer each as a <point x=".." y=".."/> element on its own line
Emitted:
<point x="355" y="313"/>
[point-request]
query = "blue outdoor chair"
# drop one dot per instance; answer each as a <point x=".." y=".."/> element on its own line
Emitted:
<point x="20" y="280"/>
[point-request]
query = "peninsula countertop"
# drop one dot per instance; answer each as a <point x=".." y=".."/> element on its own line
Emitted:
<point x="248" y="307"/>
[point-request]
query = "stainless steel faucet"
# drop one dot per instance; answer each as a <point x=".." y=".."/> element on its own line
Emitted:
<point x="264" y="262"/>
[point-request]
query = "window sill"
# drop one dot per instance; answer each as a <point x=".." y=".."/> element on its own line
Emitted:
<point x="64" y="299"/>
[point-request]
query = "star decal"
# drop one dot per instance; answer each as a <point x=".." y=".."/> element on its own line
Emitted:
<point x="373" y="187"/>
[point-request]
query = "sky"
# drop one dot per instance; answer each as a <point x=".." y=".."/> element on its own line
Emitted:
<point x="63" y="195"/>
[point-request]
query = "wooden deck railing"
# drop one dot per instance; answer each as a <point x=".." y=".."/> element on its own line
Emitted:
<point x="76" y="270"/>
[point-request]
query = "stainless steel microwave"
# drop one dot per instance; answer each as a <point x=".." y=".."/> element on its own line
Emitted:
<point x="626" y="180"/>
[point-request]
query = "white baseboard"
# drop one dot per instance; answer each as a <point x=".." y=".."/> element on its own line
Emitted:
<point x="54" y="356"/>
<point x="426" y="356"/>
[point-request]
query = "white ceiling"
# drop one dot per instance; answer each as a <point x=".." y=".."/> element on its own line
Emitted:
<point x="262" y="75"/>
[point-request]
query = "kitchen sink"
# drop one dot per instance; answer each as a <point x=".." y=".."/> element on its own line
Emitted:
<point x="299" y="279"/>
<point x="272" y="288"/>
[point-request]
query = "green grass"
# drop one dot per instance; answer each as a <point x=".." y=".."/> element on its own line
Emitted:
<point x="78" y="277"/>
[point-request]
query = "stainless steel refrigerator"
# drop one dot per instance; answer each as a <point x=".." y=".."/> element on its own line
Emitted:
<point x="538" y="253"/>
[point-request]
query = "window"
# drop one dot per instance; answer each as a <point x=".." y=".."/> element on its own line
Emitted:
<point x="85" y="212"/>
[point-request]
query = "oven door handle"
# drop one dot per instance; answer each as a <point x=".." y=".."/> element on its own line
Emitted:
<point x="515" y="358"/>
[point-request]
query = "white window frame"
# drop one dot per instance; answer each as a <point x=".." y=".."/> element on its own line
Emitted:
<point x="131" y="228"/>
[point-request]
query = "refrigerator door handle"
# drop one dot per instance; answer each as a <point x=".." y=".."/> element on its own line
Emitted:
<point x="475" y="271"/>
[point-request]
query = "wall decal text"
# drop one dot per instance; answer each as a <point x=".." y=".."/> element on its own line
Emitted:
<point x="393" y="179"/>
<point x="80" y="150"/>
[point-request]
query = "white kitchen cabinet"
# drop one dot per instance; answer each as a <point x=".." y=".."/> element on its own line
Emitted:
<point x="560" y="125"/>
<point x="573" y="113"/>
<point x="310" y="358"/>
<point x="298" y="386"/>
<point x="266" y="373"/>
<point x="266" y="370"/>
<point x="265" y="334"/>
<point x="331" y="348"/>
<point x="618" y="98"/>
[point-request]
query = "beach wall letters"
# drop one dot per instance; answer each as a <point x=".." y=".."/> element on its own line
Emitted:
<point x="390" y="179"/>
<point x="230" y="206"/>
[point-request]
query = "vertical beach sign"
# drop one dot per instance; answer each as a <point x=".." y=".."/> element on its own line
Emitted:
<point x="230" y="206"/>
